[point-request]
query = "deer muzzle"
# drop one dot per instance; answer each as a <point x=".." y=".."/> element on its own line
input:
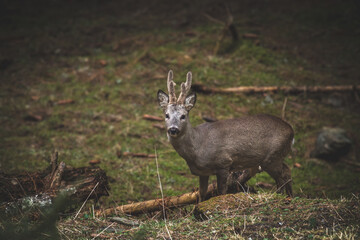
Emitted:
<point x="173" y="131"/>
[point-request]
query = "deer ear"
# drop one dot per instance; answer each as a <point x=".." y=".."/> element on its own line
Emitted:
<point x="190" y="101"/>
<point x="163" y="99"/>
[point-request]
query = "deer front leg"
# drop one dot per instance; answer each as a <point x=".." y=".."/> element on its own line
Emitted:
<point x="222" y="177"/>
<point x="203" y="180"/>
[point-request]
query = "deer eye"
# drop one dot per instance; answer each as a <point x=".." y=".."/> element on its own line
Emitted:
<point x="182" y="117"/>
<point x="167" y="116"/>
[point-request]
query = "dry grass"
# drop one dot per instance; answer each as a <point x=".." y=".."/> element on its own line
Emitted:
<point x="238" y="216"/>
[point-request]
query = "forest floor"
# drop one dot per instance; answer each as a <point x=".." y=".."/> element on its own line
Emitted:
<point x="78" y="77"/>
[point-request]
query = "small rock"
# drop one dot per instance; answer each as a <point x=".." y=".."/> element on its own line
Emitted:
<point x="334" y="100"/>
<point x="267" y="100"/>
<point x="331" y="144"/>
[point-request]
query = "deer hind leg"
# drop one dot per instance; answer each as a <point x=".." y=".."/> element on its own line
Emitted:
<point x="222" y="179"/>
<point x="286" y="173"/>
<point x="282" y="175"/>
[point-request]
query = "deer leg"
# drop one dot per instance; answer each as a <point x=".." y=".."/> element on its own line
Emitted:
<point x="222" y="177"/>
<point x="203" y="180"/>
<point x="286" y="173"/>
<point x="282" y="175"/>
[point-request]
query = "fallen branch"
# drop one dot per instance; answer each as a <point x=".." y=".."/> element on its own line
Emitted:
<point x="171" y="202"/>
<point x="65" y="101"/>
<point x="153" y="205"/>
<point x="273" y="89"/>
<point x="139" y="155"/>
<point x="251" y="35"/>
<point x="152" y="118"/>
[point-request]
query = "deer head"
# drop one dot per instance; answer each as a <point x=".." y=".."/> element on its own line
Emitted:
<point x="177" y="110"/>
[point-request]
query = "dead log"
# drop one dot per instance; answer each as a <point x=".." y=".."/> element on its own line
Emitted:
<point x="152" y="118"/>
<point x="274" y="89"/>
<point x="172" y="202"/>
<point x="153" y="205"/>
<point x="76" y="183"/>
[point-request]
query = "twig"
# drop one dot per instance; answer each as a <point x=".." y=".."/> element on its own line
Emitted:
<point x="351" y="163"/>
<point x="283" y="109"/>
<point x="103" y="231"/>
<point x="332" y="206"/>
<point x="65" y="101"/>
<point x="54" y="166"/>
<point x="213" y="19"/>
<point x="56" y="178"/>
<point x="357" y="98"/>
<point x="53" y="162"/>
<point x="228" y="26"/>
<point x="62" y="233"/>
<point x="86" y="200"/>
<point x="162" y="194"/>
<point x="142" y="55"/>
<point x="139" y="155"/>
<point x="17" y="180"/>
<point x="32" y="179"/>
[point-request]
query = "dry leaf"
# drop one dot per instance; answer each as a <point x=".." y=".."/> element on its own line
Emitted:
<point x="94" y="161"/>
<point x="103" y="62"/>
<point x="297" y="165"/>
<point x="65" y="101"/>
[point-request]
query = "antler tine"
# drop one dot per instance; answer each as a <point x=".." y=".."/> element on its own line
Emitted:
<point x="185" y="88"/>
<point x="171" y="88"/>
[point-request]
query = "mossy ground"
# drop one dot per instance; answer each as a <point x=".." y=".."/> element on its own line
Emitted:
<point x="111" y="57"/>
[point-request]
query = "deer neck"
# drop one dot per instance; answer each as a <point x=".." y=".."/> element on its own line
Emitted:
<point x="185" y="144"/>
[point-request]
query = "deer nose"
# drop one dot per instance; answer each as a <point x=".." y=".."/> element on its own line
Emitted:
<point x="173" y="131"/>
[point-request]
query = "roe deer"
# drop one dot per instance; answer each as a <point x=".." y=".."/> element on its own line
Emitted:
<point x="252" y="143"/>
